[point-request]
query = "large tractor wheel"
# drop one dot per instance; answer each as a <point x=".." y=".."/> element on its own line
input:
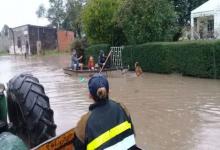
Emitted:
<point x="29" y="110"/>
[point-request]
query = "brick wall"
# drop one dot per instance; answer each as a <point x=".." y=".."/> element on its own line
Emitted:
<point x="65" y="39"/>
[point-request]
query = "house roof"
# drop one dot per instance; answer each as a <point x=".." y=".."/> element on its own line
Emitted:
<point x="209" y="6"/>
<point x="36" y="26"/>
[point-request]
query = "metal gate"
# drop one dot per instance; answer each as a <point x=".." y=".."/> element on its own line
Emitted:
<point x="116" y="57"/>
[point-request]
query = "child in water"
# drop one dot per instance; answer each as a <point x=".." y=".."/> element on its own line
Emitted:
<point x="138" y="69"/>
<point x="91" y="63"/>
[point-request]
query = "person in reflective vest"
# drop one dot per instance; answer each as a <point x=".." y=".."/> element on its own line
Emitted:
<point x="107" y="125"/>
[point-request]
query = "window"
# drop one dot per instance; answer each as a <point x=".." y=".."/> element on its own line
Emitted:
<point x="19" y="42"/>
<point x="195" y="24"/>
<point x="210" y="25"/>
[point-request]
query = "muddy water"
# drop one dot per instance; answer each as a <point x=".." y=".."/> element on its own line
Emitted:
<point x="170" y="112"/>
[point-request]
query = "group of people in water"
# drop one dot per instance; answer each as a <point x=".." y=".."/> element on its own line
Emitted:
<point x="77" y="61"/>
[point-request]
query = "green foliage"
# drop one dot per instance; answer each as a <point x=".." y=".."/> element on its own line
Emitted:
<point x="41" y="11"/>
<point x="77" y="45"/>
<point x="3" y="52"/>
<point x="73" y="20"/>
<point x="55" y="14"/>
<point x="146" y="20"/>
<point x="63" y="14"/>
<point x="94" y="50"/>
<point x="97" y="18"/>
<point x="183" y="10"/>
<point x="195" y="58"/>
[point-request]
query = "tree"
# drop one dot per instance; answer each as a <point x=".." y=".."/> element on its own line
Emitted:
<point x="5" y="31"/>
<point x="98" y="20"/>
<point x="64" y="15"/>
<point x="55" y="14"/>
<point x="41" y="11"/>
<point x="73" y="21"/>
<point x="183" y="9"/>
<point x="146" y="20"/>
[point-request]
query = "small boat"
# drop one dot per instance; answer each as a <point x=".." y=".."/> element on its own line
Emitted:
<point x="87" y="72"/>
<point x="61" y="142"/>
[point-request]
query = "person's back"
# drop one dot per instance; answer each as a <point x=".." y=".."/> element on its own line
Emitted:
<point x="105" y="117"/>
<point x="107" y="125"/>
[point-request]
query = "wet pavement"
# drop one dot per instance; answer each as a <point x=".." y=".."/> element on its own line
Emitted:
<point x="170" y="112"/>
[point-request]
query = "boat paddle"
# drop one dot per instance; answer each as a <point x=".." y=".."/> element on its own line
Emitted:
<point x="105" y="61"/>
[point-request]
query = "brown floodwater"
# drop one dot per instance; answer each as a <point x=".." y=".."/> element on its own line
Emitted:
<point x="170" y="112"/>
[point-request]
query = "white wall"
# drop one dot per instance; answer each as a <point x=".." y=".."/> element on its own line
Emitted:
<point x="217" y="24"/>
<point x="17" y="50"/>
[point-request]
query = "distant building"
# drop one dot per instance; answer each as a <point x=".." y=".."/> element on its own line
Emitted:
<point x="205" y="21"/>
<point x="24" y="39"/>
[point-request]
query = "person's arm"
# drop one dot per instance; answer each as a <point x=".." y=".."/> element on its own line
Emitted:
<point x="78" y="145"/>
<point x="128" y="115"/>
<point x="80" y="132"/>
<point x="80" y="57"/>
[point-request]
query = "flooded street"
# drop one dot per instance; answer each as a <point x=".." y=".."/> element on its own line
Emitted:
<point x="170" y="112"/>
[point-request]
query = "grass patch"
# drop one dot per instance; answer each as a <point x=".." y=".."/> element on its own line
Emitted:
<point x="2" y="53"/>
<point x="54" y="52"/>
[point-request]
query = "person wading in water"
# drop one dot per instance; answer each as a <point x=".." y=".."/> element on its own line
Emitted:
<point x="107" y="125"/>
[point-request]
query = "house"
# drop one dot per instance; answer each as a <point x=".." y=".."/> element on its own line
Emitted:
<point x="205" y="21"/>
<point x="24" y="39"/>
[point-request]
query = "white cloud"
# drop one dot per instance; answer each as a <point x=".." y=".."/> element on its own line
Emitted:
<point x="20" y="12"/>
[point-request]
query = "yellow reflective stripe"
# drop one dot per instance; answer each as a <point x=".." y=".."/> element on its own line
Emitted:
<point x="108" y="135"/>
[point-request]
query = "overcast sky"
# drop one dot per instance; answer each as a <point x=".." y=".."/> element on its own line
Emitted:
<point x="20" y="12"/>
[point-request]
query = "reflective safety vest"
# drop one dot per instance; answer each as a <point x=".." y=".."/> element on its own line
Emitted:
<point x="124" y="144"/>
<point x="109" y="127"/>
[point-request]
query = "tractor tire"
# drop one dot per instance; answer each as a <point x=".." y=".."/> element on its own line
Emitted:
<point x="29" y="110"/>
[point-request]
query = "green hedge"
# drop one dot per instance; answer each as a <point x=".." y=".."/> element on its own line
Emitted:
<point x="194" y="58"/>
<point x="95" y="49"/>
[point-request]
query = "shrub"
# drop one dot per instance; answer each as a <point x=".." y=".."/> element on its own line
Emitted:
<point x="94" y="51"/>
<point x="194" y="58"/>
<point x="79" y="46"/>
